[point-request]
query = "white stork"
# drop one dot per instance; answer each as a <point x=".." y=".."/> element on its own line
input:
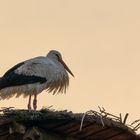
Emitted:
<point x="33" y="76"/>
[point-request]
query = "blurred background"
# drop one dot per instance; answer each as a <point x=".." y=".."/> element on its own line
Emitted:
<point x="99" y="41"/>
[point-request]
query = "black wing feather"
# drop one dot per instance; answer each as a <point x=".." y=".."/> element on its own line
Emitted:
<point x="10" y="78"/>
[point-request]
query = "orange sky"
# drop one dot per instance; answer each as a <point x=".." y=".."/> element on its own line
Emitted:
<point x="99" y="41"/>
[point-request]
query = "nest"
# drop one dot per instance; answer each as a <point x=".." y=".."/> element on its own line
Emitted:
<point x="65" y="125"/>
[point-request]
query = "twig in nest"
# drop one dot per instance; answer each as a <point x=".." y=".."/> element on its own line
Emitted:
<point x="82" y="120"/>
<point x="120" y="118"/>
<point x="49" y="108"/>
<point x="134" y="122"/>
<point x="111" y="116"/>
<point x="6" y="109"/>
<point x="101" y="117"/>
<point x="136" y="127"/>
<point x="125" y="118"/>
<point x="91" y="112"/>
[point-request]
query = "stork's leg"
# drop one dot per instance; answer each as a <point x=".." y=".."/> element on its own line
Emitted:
<point x="29" y="102"/>
<point x="35" y="102"/>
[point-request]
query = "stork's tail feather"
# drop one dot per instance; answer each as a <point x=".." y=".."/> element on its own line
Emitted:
<point x="7" y="93"/>
<point x="4" y="93"/>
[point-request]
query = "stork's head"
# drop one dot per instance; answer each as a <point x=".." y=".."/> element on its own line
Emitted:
<point x="57" y="56"/>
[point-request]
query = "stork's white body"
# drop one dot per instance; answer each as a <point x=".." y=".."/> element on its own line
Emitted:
<point x="43" y="67"/>
<point x="33" y="76"/>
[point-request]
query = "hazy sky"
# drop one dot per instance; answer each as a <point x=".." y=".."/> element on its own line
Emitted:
<point x="99" y="41"/>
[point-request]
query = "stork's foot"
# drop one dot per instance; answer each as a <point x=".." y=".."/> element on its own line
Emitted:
<point x="35" y="104"/>
<point x="29" y="103"/>
<point x="29" y="107"/>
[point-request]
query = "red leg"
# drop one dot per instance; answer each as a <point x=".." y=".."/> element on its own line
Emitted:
<point x="35" y="102"/>
<point x="29" y="102"/>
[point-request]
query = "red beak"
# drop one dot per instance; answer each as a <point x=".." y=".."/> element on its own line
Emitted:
<point x="66" y="67"/>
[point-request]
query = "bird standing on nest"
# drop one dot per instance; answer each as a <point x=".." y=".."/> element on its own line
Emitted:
<point x="33" y="76"/>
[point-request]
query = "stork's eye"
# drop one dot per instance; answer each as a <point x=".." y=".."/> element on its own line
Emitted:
<point x="57" y="55"/>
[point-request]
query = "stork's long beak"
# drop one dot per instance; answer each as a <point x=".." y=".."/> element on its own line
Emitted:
<point x="66" y="67"/>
